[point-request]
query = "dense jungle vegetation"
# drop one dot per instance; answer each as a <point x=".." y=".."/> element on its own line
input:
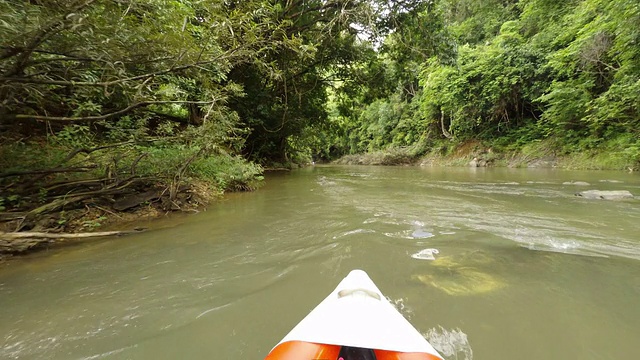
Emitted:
<point x="531" y="77"/>
<point x="113" y="104"/>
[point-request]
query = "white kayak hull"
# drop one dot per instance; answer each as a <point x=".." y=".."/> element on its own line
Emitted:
<point x="356" y="314"/>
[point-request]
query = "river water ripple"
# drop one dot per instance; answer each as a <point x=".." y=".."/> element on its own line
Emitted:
<point x="486" y="263"/>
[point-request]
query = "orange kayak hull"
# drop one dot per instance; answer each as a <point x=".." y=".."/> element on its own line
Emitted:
<point x="297" y="350"/>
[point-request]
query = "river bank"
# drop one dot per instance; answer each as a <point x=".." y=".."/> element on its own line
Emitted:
<point x="75" y="182"/>
<point x="95" y="219"/>
<point x="477" y="154"/>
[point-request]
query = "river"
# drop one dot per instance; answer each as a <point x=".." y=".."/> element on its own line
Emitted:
<point x="486" y="263"/>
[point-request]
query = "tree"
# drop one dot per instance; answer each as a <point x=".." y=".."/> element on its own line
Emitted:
<point x="95" y="59"/>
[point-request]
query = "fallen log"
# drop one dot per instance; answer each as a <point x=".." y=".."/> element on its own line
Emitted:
<point x="45" y="235"/>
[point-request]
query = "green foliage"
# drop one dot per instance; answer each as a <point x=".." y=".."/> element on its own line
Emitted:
<point x="23" y="156"/>
<point x="386" y="122"/>
<point x="511" y="73"/>
<point x="125" y="128"/>
<point x="595" y="89"/>
<point x="231" y="173"/>
<point x="473" y="22"/>
<point x="74" y="136"/>
<point x="488" y="92"/>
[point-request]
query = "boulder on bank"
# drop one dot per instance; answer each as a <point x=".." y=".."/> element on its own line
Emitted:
<point x="606" y="195"/>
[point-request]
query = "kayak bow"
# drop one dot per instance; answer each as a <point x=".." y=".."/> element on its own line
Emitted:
<point x="354" y="322"/>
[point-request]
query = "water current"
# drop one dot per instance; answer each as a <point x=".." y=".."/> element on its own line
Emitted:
<point x="486" y="263"/>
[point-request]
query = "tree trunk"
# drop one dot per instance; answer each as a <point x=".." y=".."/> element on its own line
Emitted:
<point x="445" y="132"/>
<point x="195" y="115"/>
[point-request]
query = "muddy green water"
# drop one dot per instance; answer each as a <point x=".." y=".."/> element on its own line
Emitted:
<point x="523" y="269"/>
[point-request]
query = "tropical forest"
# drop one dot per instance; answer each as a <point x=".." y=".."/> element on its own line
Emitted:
<point x="108" y="106"/>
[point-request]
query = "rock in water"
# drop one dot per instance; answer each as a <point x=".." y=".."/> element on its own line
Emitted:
<point x="606" y="195"/>
<point x="462" y="282"/>
<point x="460" y="276"/>
<point x="576" y="183"/>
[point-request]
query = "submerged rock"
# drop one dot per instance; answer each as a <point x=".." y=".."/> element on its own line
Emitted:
<point x="576" y="183"/>
<point x="462" y="282"/>
<point x="606" y="195"/>
<point x="461" y="275"/>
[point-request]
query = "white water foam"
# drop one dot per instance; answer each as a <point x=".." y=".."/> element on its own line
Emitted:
<point x="426" y="254"/>
<point x="452" y="344"/>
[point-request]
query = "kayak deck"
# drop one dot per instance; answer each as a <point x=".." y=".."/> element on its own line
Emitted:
<point x="356" y="315"/>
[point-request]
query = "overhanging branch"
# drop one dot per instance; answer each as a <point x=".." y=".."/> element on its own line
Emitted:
<point x="106" y="116"/>
<point x="27" y="80"/>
